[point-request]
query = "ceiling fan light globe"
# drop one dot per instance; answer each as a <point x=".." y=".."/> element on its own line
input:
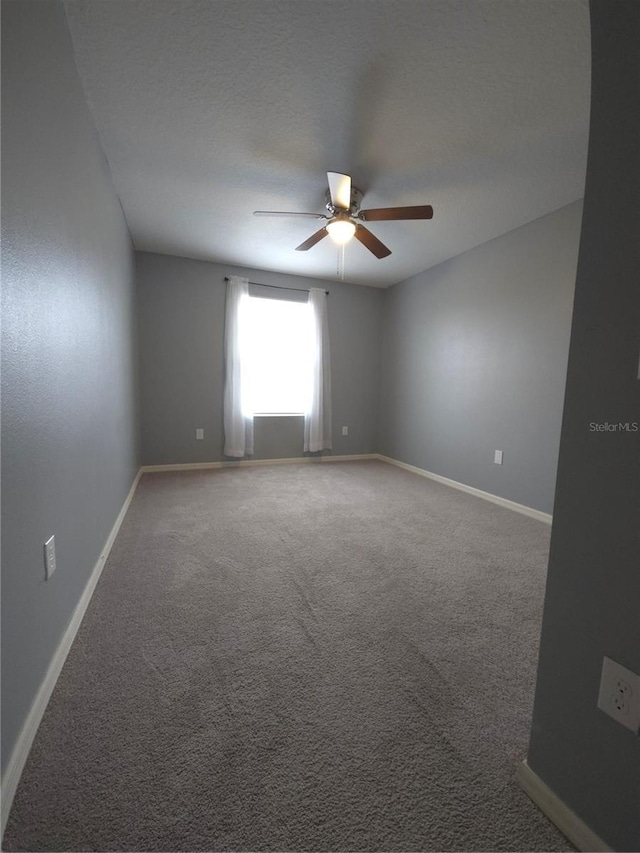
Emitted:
<point x="341" y="230"/>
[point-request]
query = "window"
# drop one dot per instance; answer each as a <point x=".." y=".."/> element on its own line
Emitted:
<point x="277" y="362"/>
<point x="276" y="346"/>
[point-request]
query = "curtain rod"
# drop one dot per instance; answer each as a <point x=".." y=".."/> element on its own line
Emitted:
<point x="278" y="286"/>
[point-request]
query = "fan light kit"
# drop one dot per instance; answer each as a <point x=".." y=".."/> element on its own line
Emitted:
<point x="341" y="230"/>
<point x="343" y="205"/>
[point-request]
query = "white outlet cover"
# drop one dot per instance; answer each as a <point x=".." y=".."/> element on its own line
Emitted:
<point x="619" y="695"/>
<point x="497" y="457"/>
<point x="199" y="434"/>
<point x="345" y="430"/>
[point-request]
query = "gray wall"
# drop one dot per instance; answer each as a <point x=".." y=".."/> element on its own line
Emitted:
<point x="474" y="360"/>
<point x="592" y="605"/>
<point x="181" y="332"/>
<point x="68" y="348"/>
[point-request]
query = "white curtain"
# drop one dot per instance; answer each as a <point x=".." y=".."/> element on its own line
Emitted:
<point x="317" y="421"/>
<point x="238" y="427"/>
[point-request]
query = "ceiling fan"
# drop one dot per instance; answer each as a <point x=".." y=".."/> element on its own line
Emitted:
<point x="343" y="205"/>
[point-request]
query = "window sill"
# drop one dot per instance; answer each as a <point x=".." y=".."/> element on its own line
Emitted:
<point x="278" y="415"/>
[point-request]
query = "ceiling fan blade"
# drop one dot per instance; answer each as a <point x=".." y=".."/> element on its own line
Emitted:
<point x="371" y="242"/>
<point x="311" y="241"/>
<point x="288" y="213"/>
<point x="340" y="189"/>
<point x="424" y="211"/>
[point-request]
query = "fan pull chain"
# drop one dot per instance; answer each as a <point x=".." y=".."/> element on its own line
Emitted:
<point x="342" y="276"/>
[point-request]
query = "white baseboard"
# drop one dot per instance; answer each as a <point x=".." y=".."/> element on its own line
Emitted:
<point x="487" y="496"/>
<point x="354" y="457"/>
<point x="27" y="734"/>
<point x="252" y="463"/>
<point x="558" y="812"/>
<point x="187" y="466"/>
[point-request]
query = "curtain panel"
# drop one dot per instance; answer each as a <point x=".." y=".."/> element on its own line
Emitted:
<point x="317" y="421"/>
<point x="238" y="427"/>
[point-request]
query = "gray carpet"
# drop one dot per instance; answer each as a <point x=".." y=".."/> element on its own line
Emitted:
<point x="302" y="657"/>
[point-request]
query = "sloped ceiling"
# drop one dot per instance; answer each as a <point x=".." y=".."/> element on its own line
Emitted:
<point x="209" y="110"/>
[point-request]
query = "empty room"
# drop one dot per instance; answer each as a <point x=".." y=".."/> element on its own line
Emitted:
<point x="320" y="416"/>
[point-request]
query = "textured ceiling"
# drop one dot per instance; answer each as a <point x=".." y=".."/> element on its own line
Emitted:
<point x="209" y="110"/>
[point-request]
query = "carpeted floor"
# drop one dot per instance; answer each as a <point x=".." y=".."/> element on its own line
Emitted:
<point x="301" y="657"/>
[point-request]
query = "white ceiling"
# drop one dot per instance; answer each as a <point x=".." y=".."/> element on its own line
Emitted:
<point x="211" y="109"/>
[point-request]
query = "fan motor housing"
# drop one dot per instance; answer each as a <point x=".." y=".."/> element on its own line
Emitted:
<point x="356" y="201"/>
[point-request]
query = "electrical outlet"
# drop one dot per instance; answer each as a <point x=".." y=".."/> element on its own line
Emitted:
<point x="619" y="695"/>
<point x="345" y="430"/>
<point x="49" y="557"/>
<point x="497" y="457"/>
<point x="199" y="434"/>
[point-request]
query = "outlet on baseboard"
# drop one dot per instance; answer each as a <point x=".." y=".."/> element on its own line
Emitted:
<point x="497" y="457"/>
<point x="619" y="695"/>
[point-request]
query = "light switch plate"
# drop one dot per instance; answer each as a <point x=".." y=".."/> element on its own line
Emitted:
<point x="199" y="434"/>
<point x="49" y="557"/>
<point x="497" y="457"/>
